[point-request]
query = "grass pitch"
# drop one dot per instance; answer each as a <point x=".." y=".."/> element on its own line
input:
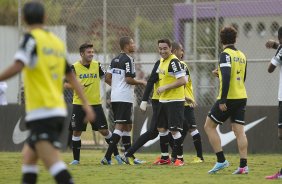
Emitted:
<point x="90" y="171"/>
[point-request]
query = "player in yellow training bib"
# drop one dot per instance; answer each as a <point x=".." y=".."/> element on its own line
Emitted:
<point x="231" y="101"/>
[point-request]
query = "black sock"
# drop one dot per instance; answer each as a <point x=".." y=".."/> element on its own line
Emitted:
<point x="164" y="142"/>
<point x="178" y="147"/>
<point x="198" y="145"/>
<point x="171" y="140"/>
<point x="64" y="177"/>
<point x="281" y="171"/>
<point x="140" y="142"/>
<point x="243" y="162"/>
<point x="126" y="141"/>
<point x="220" y="157"/>
<point x="113" y="143"/>
<point x="115" y="148"/>
<point x="29" y="178"/>
<point x="76" y="145"/>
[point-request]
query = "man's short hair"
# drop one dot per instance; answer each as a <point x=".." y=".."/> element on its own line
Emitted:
<point x="123" y="41"/>
<point x="85" y="46"/>
<point x="228" y="35"/>
<point x="165" y="40"/>
<point x="175" y="46"/>
<point x="33" y="13"/>
<point x="280" y="33"/>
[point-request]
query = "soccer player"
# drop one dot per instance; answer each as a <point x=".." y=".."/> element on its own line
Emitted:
<point x="231" y="101"/>
<point x="189" y="124"/>
<point x="152" y="133"/>
<point x="42" y="57"/>
<point x="277" y="61"/>
<point x="89" y="73"/>
<point x="121" y="75"/>
<point x="171" y="97"/>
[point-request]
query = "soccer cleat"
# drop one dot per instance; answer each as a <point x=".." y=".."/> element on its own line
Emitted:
<point x="104" y="161"/>
<point x="161" y="161"/>
<point x="241" y="170"/>
<point x="74" y="162"/>
<point x="128" y="160"/>
<point x="118" y="159"/>
<point x="275" y="176"/>
<point x="219" y="166"/>
<point x="197" y="160"/>
<point x="137" y="161"/>
<point x="178" y="162"/>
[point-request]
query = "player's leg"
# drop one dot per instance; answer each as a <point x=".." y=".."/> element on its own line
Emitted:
<point x="126" y="114"/>
<point x="278" y="175"/>
<point x="238" y="122"/>
<point x="29" y="168"/>
<point x="196" y="136"/>
<point x="101" y="125"/>
<point x="117" y="133"/>
<point x="152" y="133"/>
<point x="78" y="126"/>
<point x="175" y="123"/>
<point x="45" y="140"/>
<point x="215" y="117"/>
<point x="162" y="127"/>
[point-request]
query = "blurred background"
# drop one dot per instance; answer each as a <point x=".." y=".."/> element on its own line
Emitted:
<point x="193" y="23"/>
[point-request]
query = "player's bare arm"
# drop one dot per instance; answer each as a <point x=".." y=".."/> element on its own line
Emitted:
<point x="108" y="79"/>
<point x="132" y="81"/>
<point x="14" y="69"/>
<point x="271" y="44"/>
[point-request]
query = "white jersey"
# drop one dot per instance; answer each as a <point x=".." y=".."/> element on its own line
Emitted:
<point x="277" y="61"/>
<point x="122" y="66"/>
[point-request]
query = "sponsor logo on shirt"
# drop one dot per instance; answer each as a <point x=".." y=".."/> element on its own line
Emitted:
<point x="117" y="71"/>
<point x="87" y="75"/>
<point x="127" y="68"/>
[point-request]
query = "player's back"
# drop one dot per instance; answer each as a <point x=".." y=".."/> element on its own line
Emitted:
<point x="43" y="80"/>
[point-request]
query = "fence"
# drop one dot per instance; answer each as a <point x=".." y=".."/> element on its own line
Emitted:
<point x="194" y="23"/>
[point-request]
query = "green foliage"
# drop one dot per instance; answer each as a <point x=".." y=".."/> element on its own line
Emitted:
<point x="9" y="11"/>
<point x="90" y="171"/>
<point x="151" y="31"/>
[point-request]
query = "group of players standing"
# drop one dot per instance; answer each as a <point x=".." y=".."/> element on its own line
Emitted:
<point x="168" y="78"/>
<point x="172" y="100"/>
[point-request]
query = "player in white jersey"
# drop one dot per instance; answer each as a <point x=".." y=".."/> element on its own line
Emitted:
<point x="120" y="75"/>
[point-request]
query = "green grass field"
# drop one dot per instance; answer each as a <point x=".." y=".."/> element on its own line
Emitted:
<point x="90" y="171"/>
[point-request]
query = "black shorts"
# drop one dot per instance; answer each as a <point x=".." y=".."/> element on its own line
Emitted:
<point x="49" y="129"/>
<point x="77" y="120"/>
<point x="171" y="116"/>
<point x="122" y="112"/>
<point x="189" y="118"/>
<point x="235" y="110"/>
<point x="280" y="115"/>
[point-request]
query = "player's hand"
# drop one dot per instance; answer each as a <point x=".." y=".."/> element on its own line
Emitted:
<point x="215" y="72"/>
<point x="144" y="83"/>
<point x="223" y="107"/>
<point x="90" y="115"/>
<point x="143" y="106"/>
<point x="191" y="102"/>
<point x="161" y="89"/>
<point x="270" y="44"/>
